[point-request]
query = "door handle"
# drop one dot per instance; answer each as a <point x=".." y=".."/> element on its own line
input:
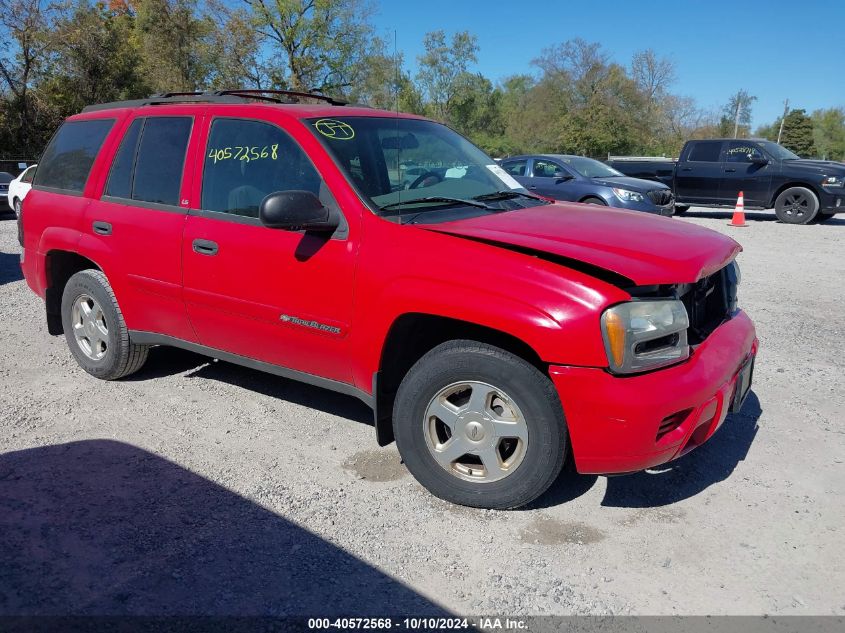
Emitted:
<point x="686" y="168"/>
<point x="730" y="170"/>
<point x="532" y="186"/>
<point x="102" y="228"/>
<point x="205" y="247"/>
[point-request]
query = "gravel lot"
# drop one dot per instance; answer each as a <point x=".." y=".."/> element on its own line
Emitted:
<point x="202" y="487"/>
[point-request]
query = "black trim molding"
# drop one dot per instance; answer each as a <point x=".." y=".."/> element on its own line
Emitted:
<point x="151" y="338"/>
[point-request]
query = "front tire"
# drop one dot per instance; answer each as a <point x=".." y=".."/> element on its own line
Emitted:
<point x="479" y="426"/>
<point x="17" y="207"/>
<point x="796" y="205"/>
<point x="593" y="200"/>
<point x="680" y="209"/>
<point x="95" y="330"/>
<point x="824" y="217"/>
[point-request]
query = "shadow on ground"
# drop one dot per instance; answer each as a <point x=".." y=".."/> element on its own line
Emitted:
<point x="104" y="528"/>
<point x="678" y="480"/>
<point x="754" y="216"/>
<point x="10" y="268"/>
<point x="170" y="361"/>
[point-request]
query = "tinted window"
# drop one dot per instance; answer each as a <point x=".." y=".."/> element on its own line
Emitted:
<point x="120" y="178"/>
<point x="546" y="169"/>
<point x="740" y="152"/>
<point x="515" y="167"/>
<point x="247" y="160"/>
<point x="161" y="158"/>
<point x="68" y="158"/>
<point x="705" y="152"/>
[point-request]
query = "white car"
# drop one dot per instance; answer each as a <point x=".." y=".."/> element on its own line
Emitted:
<point x="19" y="187"/>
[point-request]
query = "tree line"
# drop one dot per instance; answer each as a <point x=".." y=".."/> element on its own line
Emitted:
<point x="575" y="98"/>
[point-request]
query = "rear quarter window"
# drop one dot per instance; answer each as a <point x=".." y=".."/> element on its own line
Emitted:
<point x="68" y="159"/>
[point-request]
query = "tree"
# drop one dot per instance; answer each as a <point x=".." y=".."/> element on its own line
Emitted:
<point x="444" y="70"/>
<point x="93" y="59"/>
<point x="798" y="134"/>
<point x="829" y="133"/>
<point x="235" y="47"/>
<point x="23" y="50"/>
<point x="172" y="38"/>
<point x="316" y="44"/>
<point x="736" y="115"/>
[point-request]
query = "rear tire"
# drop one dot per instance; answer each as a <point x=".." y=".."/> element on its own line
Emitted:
<point x="680" y="209"/>
<point x="17" y="208"/>
<point x="796" y="205"/>
<point x="95" y="330"/>
<point x="501" y="411"/>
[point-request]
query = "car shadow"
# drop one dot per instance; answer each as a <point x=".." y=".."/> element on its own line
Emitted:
<point x="169" y="361"/>
<point x="683" y="478"/>
<point x="754" y="216"/>
<point x="693" y="473"/>
<point x="10" y="268"/>
<point x="99" y="527"/>
<point x="727" y="214"/>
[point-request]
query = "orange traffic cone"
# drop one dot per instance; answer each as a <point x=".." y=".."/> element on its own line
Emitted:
<point x="738" y="218"/>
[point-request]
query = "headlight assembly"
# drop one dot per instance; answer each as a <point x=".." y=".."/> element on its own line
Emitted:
<point x="644" y="335"/>
<point x="833" y="181"/>
<point x="627" y="196"/>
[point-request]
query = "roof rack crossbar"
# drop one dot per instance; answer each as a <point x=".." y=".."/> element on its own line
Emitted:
<point x="252" y="92"/>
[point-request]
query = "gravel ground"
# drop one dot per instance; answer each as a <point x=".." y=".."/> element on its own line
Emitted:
<point x="201" y="487"/>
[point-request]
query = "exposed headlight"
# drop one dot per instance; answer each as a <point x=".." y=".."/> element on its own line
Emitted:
<point x="627" y="196"/>
<point x="643" y="335"/>
<point x="833" y="181"/>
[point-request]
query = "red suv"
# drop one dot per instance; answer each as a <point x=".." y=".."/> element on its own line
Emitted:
<point x="384" y="256"/>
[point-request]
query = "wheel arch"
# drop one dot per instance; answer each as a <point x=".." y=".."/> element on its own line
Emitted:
<point x="593" y="196"/>
<point x="788" y="185"/>
<point x="61" y="265"/>
<point x="410" y="336"/>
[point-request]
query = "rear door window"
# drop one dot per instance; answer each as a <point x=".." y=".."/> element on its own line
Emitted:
<point x="68" y="159"/>
<point x="120" y="178"/>
<point x="705" y="152"/>
<point x="515" y="167"/>
<point x="161" y="159"/>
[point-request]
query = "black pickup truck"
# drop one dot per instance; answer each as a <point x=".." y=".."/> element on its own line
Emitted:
<point x="711" y="173"/>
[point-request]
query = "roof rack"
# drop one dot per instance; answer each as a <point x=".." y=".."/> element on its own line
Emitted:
<point x="260" y="94"/>
<point x="220" y="96"/>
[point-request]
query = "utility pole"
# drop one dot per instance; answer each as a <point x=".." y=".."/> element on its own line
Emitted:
<point x="785" y="110"/>
<point x="736" y="115"/>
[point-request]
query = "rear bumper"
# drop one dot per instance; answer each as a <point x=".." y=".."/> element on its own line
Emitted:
<point x="614" y="421"/>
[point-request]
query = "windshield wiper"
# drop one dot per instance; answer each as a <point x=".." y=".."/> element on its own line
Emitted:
<point x="470" y="203"/>
<point x="506" y="195"/>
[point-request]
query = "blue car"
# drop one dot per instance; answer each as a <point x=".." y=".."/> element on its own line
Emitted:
<point x="580" y="179"/>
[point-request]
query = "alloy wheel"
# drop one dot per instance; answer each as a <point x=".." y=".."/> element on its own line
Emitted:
<point x="475" y="431"/>
<point x="89" y="327"/>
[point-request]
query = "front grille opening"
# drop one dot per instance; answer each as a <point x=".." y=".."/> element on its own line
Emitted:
<point x="708" y="303"/>
<point x="672" y="422"/>
<point x="664" y="342"/>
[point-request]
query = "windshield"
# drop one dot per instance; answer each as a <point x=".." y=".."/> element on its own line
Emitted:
<point x="416" y="165"/>
<point x="778" y="151"/>
<point x="589" y="168"/>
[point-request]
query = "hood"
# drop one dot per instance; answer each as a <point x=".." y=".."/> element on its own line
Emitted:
<point x="644" y="248"/>
<point x="625" y="182"/>
<point x="826" y="167"/>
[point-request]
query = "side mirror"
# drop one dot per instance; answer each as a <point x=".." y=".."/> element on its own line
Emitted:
<point x="295" y="211"/>
<point x="561" y="177"/>
<point x="757" y="159"/>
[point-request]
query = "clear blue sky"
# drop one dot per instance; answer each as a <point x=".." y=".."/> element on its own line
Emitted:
<point x="774" y="49"/>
